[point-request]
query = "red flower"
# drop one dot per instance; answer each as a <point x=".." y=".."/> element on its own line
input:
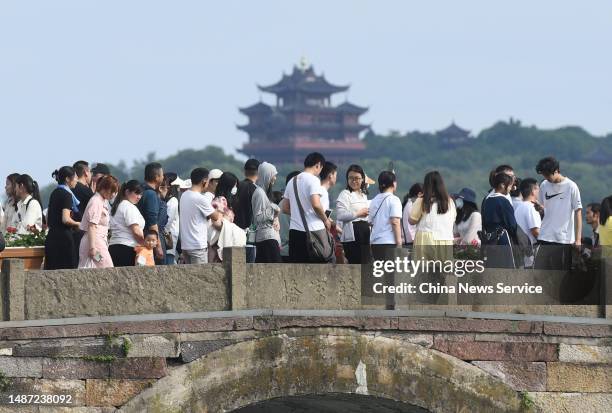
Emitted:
<point x="11" y="230"/>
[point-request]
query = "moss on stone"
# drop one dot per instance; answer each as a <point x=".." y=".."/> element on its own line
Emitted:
<point x="5" y="382"/>
<point x="101" y="358"/>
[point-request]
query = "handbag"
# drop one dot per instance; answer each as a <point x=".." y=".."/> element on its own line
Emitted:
<point x="319" y="244"/>
<point x="169" y="240"/>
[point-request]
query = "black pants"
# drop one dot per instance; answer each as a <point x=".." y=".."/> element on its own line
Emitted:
<point x="553" y="256"/>
<point x="268" y="251"/>
<point x="162" y="242"/>
<point x="122" y="255"/>
<point x="386" y="252"/>
<point x="297" y="247"/>
<point x="358" y="251"/>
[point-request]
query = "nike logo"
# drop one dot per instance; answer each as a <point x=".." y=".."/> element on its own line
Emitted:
<point x="552" y="196"/>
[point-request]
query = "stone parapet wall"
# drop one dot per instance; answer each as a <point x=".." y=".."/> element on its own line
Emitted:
<point x="233" y="285"/>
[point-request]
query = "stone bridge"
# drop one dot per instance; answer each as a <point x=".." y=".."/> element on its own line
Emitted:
<point x="310" y="361"/>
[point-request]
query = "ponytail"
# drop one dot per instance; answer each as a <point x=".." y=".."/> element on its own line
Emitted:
<point x="119" y="198"/>
<point x="132" y="186"/>
<point x="36" y="192"/>
<point x="62" y="174"/>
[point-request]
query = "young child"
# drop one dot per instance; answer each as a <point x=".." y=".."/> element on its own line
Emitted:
<point x="144" y="253"/>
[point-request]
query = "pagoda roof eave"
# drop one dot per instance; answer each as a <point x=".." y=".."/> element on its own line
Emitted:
<point x="352" y="108"/>
<point x="257" y="107"/>
<point x="322" y="89"/>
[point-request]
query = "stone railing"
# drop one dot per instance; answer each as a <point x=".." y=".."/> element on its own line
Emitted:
<point x="233" y="285"/>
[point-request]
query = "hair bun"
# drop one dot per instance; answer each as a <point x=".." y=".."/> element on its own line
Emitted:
<point x="54" y="174"/>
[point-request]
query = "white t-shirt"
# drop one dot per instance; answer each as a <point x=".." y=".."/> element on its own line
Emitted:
<point x="194" y="211"/>
<point x="409" y="229"/>
<point x="559" y="202"/>
<point x="209" y="196"/>
<point x="324" y="199"/>
<point x="127" y="214"/>
<point x="173" y="222"/>
<point x="307" y="185"/>
<point x="382" y="208"/>
<point x="527" y="218"/>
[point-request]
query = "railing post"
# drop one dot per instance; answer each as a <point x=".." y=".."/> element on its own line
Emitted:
<point x="234" y="260"/>
<point x="12" y="290"/>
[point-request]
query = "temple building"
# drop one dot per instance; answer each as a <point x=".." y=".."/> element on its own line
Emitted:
<point x="453" y="136"/>
<point x="303" y="120"/>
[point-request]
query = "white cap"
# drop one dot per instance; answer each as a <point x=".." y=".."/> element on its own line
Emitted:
<point x="186" y="184"/>
<point x="178" y="181"/>
<point x="215" y="174"/>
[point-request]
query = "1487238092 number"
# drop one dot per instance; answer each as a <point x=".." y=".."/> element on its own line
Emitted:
<point x="40" y="399"/>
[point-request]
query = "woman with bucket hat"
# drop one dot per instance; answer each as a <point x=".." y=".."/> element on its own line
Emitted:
<point x="469" y="221"/>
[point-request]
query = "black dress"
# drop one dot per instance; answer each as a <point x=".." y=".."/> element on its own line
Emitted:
<point x="60" y="251"/>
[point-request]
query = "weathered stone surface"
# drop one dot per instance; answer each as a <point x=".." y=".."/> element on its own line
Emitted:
<point x="12" y="281"/>
<point x="24" y="386"/>
<point x="281" y="365"/>
<point x="113" y="392"/>
<point x="234" y="262"/>
<point x="128" y="327"/>
<point x="578" y="377"/>
<point x="496" y="351"/>
<point x="138" y="368"/>
<point x="305" y="286"/>
<point x="521" y="376"/>
<point x="425" y="340"/>
<point x="585" y="354"/>
<point x="16" y="386"/>
<point x="578" y="330"/>
<point x="11" y="408"/>
<point x="88" y="409"/>
<point x="162" y="345"/>
<point x="572" y="402"/>
<point x="541" y="338"/>
<point x="66" y="368"/>
<point x="71" y="347"/>
<point x="75" y="388"/>
<point x="192" y="350"/>
<point x="223" y="335"/>
<point x="21" y="366"/>
<point x="469" y="325"/>
<point x="363" y="323"/>
<point x="442" y="338"/>
<point x="164" y="289"/>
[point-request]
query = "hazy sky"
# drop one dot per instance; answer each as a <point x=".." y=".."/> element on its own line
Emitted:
<point x="110" y="80"/>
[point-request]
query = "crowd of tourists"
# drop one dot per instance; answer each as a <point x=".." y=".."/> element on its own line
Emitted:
<point x="92" y="220"/>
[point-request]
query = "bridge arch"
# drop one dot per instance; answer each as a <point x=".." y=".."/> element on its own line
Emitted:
<point x="281" y="366"/>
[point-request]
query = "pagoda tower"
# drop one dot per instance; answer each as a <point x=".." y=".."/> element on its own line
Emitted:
<point x="303" y="121"/>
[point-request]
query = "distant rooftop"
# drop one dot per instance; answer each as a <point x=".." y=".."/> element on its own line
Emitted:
<point x="303" y="79"/>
